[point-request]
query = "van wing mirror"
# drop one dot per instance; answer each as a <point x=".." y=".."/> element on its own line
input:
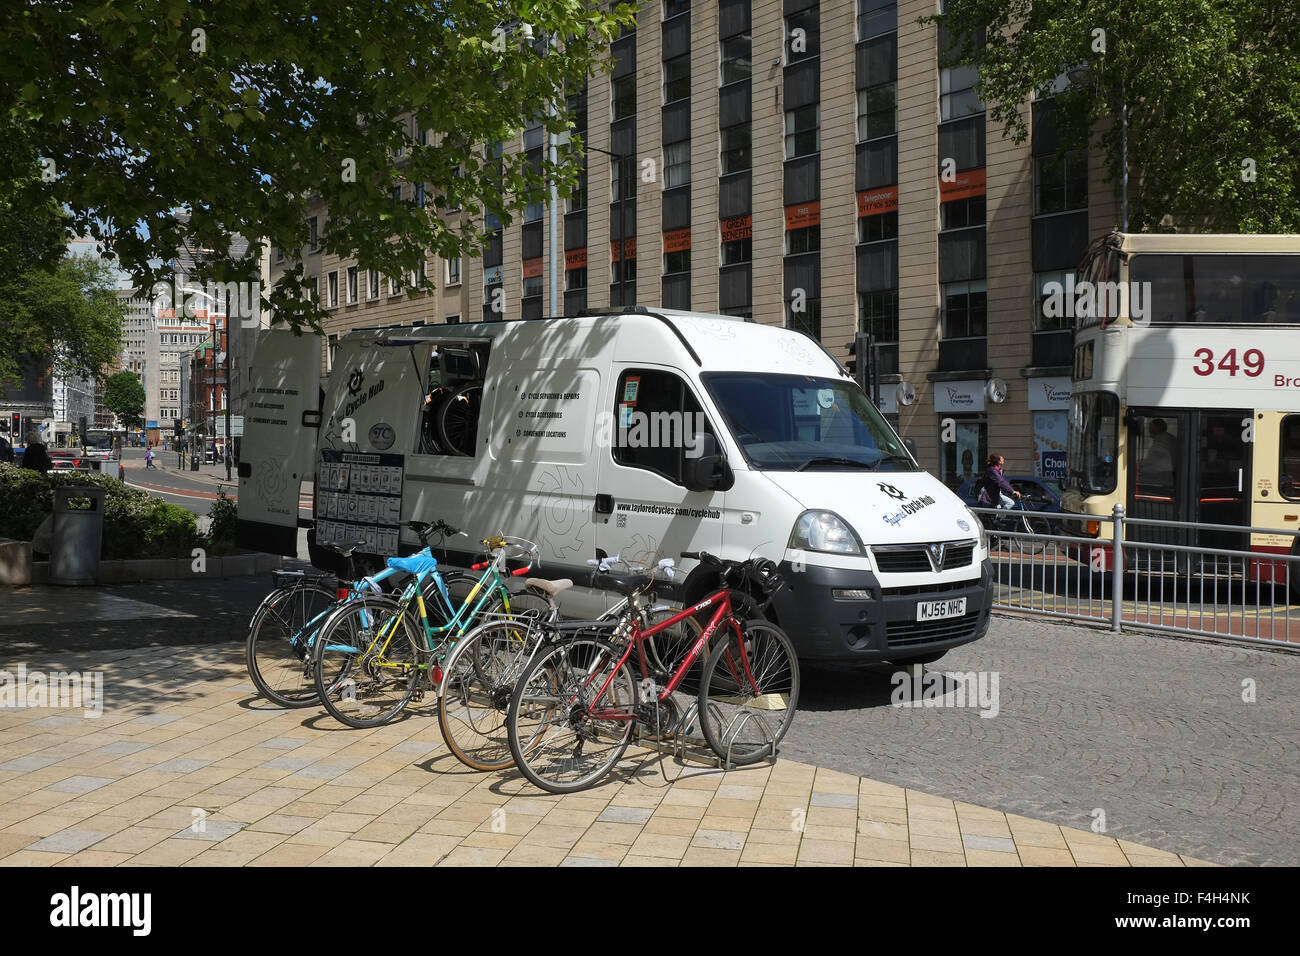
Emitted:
<point x="705" y="467"/>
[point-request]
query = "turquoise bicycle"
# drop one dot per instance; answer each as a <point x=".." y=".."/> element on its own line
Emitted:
<point x="280" y="635"/>
<point x="376" y="652"/>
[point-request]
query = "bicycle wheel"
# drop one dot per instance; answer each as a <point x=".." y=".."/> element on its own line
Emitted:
<point x="366" y="663"/>
<point x="478" y="680"/>
<point x="554" y="738"/>
<point x="279" y="643"/>
<point x="458" y="420"/>
<point x="749" y="692"/>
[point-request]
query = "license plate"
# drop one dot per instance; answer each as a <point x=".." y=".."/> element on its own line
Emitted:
<point x="933" y="610"/>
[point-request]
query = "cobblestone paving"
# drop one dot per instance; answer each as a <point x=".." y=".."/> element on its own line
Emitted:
<point x="186" y="767"/>
<point x="1150" y="730"/>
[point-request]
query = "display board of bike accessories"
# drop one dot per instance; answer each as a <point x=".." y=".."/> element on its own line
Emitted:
<point x="359" y="499"/>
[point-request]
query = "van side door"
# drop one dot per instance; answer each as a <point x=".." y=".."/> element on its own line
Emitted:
<point x="643" y="507"/>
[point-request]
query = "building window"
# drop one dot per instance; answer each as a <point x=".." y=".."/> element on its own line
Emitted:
<point x="677" y="78"/>
<point x="878" y="228"/>
<point x="964" y="309"/>
<point x="802" y="35"/>
<point x="372" y="281"/>
<point x="809" y="320"/>
<point x="1061" y="183"/>
<point x="394" y="286"/>
<point x="736" y="151"/>
<point x="420" y="274"/>
<point x="624" y="93"/>
<point x="532" y="286"/>
<point x="876" y="17"/>
<point x="617" y="270"/>
<point x="575" y="279"/>
<point x="397" y="193"/>
<point x="452" y="320"/>
<point x="737" y="251"/>
<point x="578" y="201"/>
<point x="877" y="111"/>
<point x="1042" y="321"/>
<point x="279" y="254"/>
<point x="419" y="195"/>
<point x="961" y="213"/>
<point x="677" y="164"/>
<point x="957" y="92"/>
<point x="453" y="271"/>
<point x="352" y="285"/>
<point x="963" y="458"/>
<point x="799" y="241"/>
<point x="314" y="232"/>
<point x="533" y="136"/>
<point x="674" y="7"/>
<point x="314" y="287"/>
<point x="533" y="212"/>
<point x="878" y="315"/>
<point x="676" y="262"/>
<point x="736" y="63"/>
<point x="333" y="286"/>
<point x="801" y="131"/>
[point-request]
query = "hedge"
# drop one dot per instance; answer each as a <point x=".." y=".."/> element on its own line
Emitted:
<point x="135" y="524"/>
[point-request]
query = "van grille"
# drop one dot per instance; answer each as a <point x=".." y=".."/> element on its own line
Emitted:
<point x="913" y="558"/>
<point x="911" y="633"/>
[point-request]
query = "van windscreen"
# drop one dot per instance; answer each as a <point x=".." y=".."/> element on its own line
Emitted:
<point x="803" y="423"/>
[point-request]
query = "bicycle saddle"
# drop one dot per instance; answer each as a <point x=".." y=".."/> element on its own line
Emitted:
<point x="624" y="584"/>
<point x="417" y="563"/>
<point x="548" y="587"/>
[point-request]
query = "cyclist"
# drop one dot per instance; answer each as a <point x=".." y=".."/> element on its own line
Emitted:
<point x="994" y="481"/>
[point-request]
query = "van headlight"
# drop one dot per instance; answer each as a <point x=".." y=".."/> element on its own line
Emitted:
<point x="824" y="531"/>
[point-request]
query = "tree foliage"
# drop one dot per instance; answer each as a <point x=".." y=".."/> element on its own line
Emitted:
<point x="242" y="113"/>
<point x="1212" y="89"/>
<point x="124" y="397"/>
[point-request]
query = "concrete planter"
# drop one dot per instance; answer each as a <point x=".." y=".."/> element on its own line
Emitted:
<point x="129" y="571"/>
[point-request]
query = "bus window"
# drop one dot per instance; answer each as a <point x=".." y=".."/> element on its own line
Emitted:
<point x="1093" y="443"/>
<point x="1220" y="289"/>
<point x="1288" y="481"/>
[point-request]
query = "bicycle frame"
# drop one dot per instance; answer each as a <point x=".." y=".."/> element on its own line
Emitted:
<point x="722" y="599"/>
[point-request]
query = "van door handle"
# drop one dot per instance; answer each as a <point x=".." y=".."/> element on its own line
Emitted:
<point x="1239" y="471"/>
<point x="604" y="504"/>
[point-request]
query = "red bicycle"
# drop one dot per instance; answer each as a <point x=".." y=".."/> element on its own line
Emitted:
<point x="577" y="704"/>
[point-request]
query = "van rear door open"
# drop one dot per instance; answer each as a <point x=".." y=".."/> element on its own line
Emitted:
<point x="279" y="443"/>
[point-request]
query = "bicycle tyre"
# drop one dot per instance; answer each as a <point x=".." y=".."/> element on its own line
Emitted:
<point x="458" y="420"/>
<point x="478" y="681"/>
<point x="352" y="685"/>
<point x="764" y="680"/>
<point x="282" y="670"/>
<point x="547" y="729"/>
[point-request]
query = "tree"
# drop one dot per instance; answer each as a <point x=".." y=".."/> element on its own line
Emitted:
<point x="64" y="317"/>
<point x="124" y="397"/>
<point x="242" y="113"/>
<point x="1213" y="135"/>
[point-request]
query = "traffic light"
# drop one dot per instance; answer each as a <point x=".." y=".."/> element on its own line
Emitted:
<point x="859" y="365"/>
<point x="81" y="425"/>
<point x="176" y="427"/>
<point x="17" y="428"/>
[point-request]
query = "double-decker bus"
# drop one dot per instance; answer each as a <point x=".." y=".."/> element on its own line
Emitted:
<point x="1186" y="389"/>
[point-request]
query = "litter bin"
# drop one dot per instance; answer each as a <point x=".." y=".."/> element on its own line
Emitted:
<point x="77" y="534"/>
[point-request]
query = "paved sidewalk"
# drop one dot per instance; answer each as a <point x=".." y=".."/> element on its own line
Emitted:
<point x="186" y="766"/>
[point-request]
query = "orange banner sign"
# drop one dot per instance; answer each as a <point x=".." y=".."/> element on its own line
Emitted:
<point x="803" y="215"/>
<point x="964" y="186"/>
<point x="575" y="258"/>
<point x="872" y="202"/>
<point x="737" y="227"/>
<point x="630" y="245"/>
<point x="678" y="240"/>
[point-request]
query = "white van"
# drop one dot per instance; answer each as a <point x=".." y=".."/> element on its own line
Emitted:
<point x="634" y="433"/>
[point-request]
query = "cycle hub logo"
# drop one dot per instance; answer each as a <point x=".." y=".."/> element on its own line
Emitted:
<point x="355" y="381"/>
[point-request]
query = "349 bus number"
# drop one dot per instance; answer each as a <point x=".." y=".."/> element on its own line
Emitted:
<point x="1252" y="362"/>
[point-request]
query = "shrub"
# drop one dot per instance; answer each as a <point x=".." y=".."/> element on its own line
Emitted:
<point x="224" y="515"/>
<point x="135" y="525"/>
